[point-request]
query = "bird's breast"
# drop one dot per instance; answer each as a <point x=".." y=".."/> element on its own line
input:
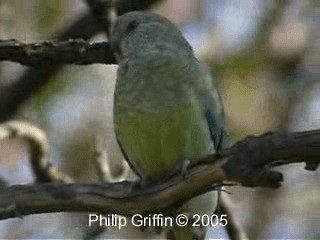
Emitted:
<point x="155" y="142"/>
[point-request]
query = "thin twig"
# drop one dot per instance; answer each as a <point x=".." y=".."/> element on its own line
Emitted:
<point x="37" y="140"/>
<point x="234" y="229"/>
<point x="101" y="160"/>
<point x="103" y="164"/>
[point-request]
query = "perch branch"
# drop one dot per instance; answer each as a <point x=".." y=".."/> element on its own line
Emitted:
<point x="49" y="53"/>
<point x="247" y="163"/>
<point x="13" y="96"/>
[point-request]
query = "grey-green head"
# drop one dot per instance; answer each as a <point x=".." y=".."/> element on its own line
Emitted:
<point x="146" y="32"/>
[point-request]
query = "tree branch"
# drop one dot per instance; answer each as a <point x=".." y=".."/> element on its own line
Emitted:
<point x="48" y="53"/>
<point x="13" y="96"/>
<point x="124" y="6"/>
<point x="3" y="183"/>
<point x="256" y="155"/>
<point x="234" y="229"/>
<point x="247" y="163"/>
<point x="104" y="13"/>
<point x="37" y="140"/>
<point x="103" y="164"/>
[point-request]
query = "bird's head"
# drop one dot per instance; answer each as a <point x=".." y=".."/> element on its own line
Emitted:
<point x="144" y="31"/>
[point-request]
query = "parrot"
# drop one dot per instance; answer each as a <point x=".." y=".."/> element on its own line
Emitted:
<point x="167" y="109"/>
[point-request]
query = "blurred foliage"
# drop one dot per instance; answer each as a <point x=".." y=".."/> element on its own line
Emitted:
<point x="48" y="14"/>
<point x="40" y="102"/>
<point x="241" y="66"/>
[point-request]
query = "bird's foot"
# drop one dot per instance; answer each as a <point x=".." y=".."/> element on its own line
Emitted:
<point x="184" y="167"/>
<point x="139" y="184"/>
<point x="142" y="183"/>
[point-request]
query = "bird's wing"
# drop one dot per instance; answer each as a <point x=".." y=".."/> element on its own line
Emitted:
<point x="127" y="159"/>
<point x="213" y="110"/>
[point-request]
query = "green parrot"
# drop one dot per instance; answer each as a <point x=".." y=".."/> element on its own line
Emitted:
<point x="167" y="109"/>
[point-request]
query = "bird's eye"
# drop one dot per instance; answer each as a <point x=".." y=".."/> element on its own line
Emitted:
<point x="132" y="26"/>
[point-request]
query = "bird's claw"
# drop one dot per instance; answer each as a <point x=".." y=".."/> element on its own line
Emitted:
<point x="138" y="184"/>
<point x="185" y="165"/>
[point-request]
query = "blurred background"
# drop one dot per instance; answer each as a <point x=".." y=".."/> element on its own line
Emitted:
<point x="266" y="57"/>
